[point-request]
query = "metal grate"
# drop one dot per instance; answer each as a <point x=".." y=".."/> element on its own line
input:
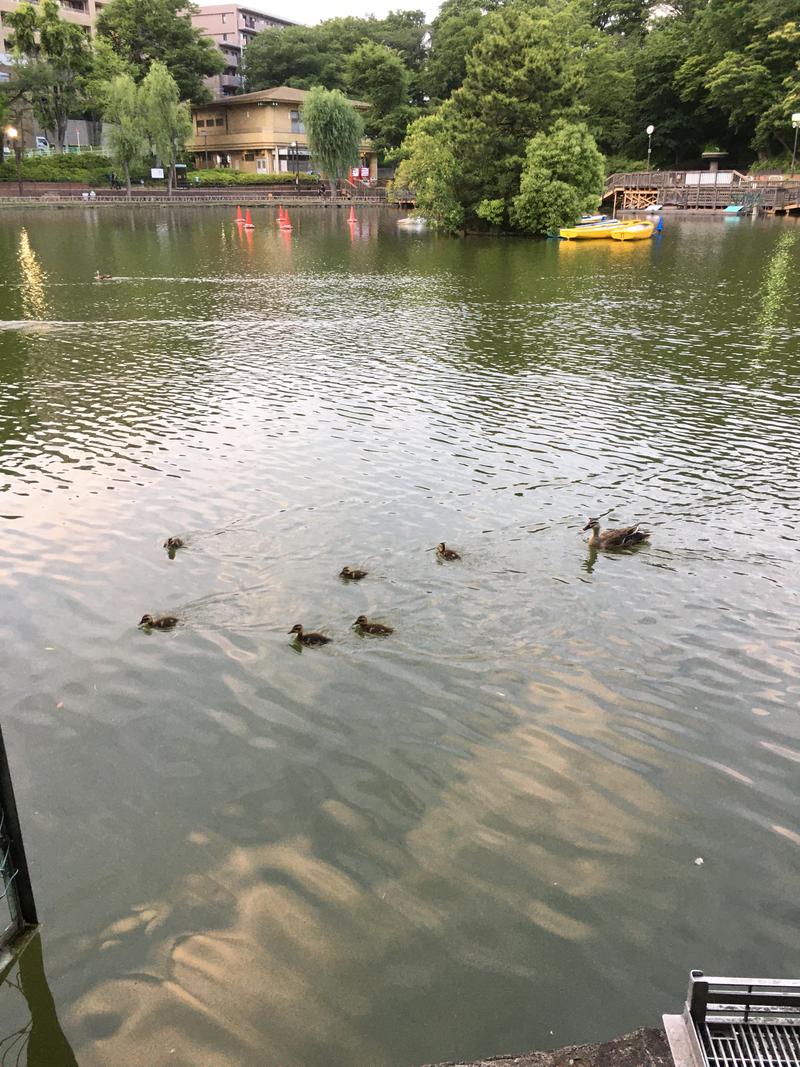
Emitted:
<point x="756" y="1044"/>
<point x="737" y="1022"/>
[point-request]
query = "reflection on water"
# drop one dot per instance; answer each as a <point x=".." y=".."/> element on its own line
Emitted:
<point x="774" y="290"/>
<point x="395" y="852"/>
<point x="32" y="279"/>
<point x="35" y="1037"/>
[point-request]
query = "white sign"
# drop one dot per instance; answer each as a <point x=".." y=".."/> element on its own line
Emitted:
<point x="156" y="172"/>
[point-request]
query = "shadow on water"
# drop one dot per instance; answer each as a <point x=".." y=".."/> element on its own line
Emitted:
<point x="40" y="1041"/>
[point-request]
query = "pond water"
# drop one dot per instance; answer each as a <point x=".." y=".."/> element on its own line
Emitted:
<point x="478" y="835"/>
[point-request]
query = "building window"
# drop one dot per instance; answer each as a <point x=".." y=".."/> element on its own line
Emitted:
<point x="200" y="122"/>
<point x="297" y="125"/>
<point x="219" y="122"/>
<point x="224" y="37"/>
<point x="249" y="157"/>
<point x="224" y="17"/>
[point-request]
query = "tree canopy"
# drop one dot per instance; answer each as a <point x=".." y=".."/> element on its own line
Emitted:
<point x="144" y="31"/>
<point x="334" y="131"/>
<point x="54" y="61"/>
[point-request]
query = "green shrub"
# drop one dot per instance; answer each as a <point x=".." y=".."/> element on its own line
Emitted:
<point x="776" y="165"/>
<point x="223" y="176"/>
<point x="623" y="165"/>
<point x="84" y="167"/>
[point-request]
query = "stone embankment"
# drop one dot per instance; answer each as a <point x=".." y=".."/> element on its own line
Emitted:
<point x="643" y="1048"/>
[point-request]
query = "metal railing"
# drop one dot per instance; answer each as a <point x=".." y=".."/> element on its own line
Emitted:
<point x="19" y="907"/>
<point x="737" y="1022"/>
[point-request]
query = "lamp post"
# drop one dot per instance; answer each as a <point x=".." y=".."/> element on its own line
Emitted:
<point x="12" y="133"/>
<point x="649" y="131"/>
<point x="296" y="166"/>
<point x="205" y="147"/>
<point x="796" y="124"/>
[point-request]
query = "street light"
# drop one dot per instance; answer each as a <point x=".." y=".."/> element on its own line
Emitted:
<point x="12" y="133"/>
<point x="796" y="124"/>
<point x="649" y="131"/>
<point x="296" y="166"/>
<point x="205" y="146"/>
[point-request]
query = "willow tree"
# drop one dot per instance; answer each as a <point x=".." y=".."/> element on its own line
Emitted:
<point x="168" y="121"/>
<point x="127" y="138"/>
<point x="334" y="129"/>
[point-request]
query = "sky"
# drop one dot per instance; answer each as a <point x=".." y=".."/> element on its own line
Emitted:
<point x="311" y="11"/>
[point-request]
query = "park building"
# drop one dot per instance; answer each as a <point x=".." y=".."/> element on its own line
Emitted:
<point x="261" y="133"/>
<point x="232" y="28"/>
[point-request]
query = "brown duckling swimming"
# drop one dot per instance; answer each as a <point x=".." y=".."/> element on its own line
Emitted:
<point x="158" y="622"/>
<point x="350" y="574"/>
<point x="443" y="552"/>
<point x="308" y="639"/>
<point x="173" y="543"/>
<point x="363" y="624"/>
<point x="623" y="537"/>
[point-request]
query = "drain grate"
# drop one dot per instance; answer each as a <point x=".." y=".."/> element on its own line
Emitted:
<point x="766" y="1044"/>
<point x="737" y="1022"/>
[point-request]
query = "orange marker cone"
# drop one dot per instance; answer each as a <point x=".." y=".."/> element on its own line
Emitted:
<point x="286" y="222"/>
<point x="249" y="223"/>
<point x="239" y="218"/>
<point x="280" y="213"/>
<point x="352" y="216"/>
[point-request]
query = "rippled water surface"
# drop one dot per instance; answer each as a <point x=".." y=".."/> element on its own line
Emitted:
<point x="478" y="835"/>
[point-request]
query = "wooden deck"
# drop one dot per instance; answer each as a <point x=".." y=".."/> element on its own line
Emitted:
<point x="701" y="190"/>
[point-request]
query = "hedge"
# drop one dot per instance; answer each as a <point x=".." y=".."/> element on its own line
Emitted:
<point x="223" y="176"/>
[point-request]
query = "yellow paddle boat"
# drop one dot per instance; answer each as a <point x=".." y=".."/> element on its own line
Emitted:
<point x="591" y="231"/>
<point x="635" y="231"/>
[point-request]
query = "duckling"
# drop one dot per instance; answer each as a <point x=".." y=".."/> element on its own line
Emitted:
<point x="443" y="552"/>
<point x="308" y="639"/>
<point x="173" y="543"/>
<point x="363" y="624"/>
<point x="352" y="575"/>
<point x="98" y="277"/>
<point x="158" y="622"/>
<point x="624" y="537"/>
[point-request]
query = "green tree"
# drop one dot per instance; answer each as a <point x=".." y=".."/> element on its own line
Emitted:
<point x="626" y="17"/>
<point x="144" y="31"/>
<point x="334" y="131"/>
<point x="561" y="179"/>
<point x="740" y="56"/>
<point x="431" y="170"/>
<point x="454" y="33"/>
<point x="377" y="74"/>
<point x="305" y="56"/>
<point x="54" y="60"/>
<point x="168" y="121"/>
<point x="125" y="110"/>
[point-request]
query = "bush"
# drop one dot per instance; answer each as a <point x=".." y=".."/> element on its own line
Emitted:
<point x="623" y="165"/>
<point x="223" y="176"/>
<point x="776" y="165"/>
<point x="88" y="167"/>
<point x="561" y="178"/>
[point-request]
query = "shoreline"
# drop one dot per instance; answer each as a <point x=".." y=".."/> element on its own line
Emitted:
<point x="646" y="1047"/>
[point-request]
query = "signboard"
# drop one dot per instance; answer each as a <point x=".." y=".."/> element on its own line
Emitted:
<point x="365" y="172"/>
<point x="156" y="172"/>
<point x="355" y="172"/>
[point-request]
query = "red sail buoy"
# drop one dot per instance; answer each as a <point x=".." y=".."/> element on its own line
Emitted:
<point x="239" y="219"/>
<point x="280" y="213"/>
<point x="249" y="223"/>
<point x="286" y="222"/>
<point x="352" y="216"/>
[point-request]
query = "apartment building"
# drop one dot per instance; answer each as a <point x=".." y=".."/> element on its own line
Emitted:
<point x="81" y="12"/>
<point x="232" y="27"/>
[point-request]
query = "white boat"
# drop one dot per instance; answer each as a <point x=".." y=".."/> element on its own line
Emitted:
<point x="413" y="222"/>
